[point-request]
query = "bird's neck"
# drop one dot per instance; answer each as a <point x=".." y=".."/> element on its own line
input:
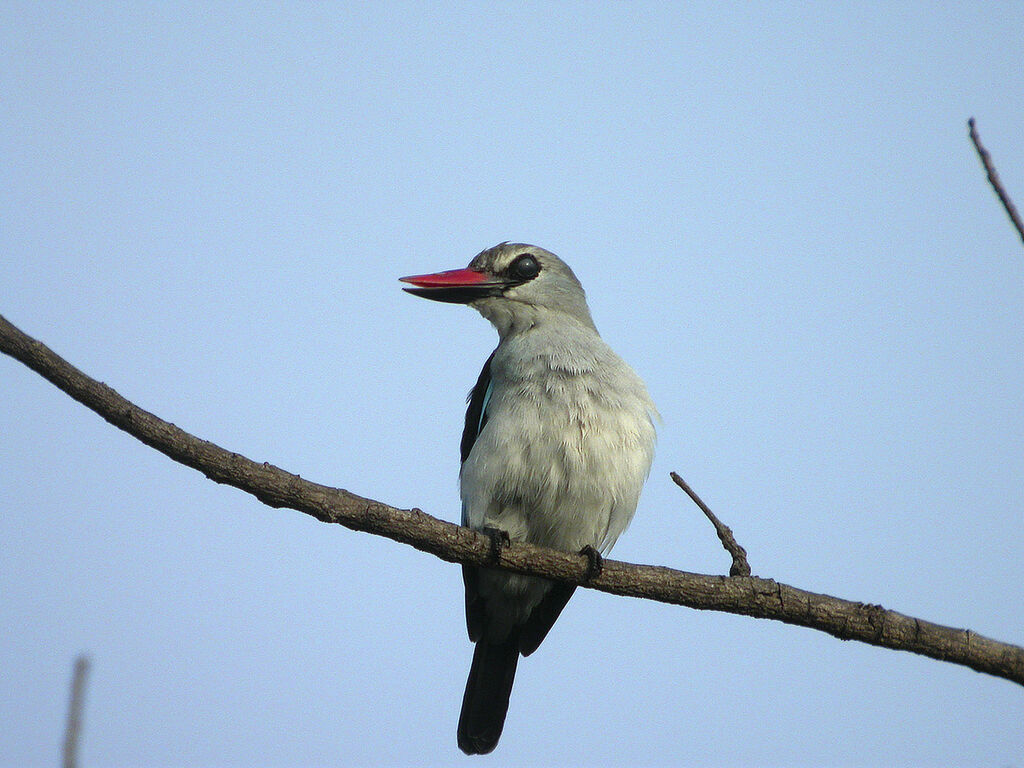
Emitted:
<point x="511" y="319"/>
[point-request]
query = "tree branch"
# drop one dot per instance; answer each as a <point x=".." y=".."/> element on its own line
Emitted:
<point x="76" y="702"/>
<point x="745" y="595"/>
<point x="993" y="179"/>
<point x="740" y="566"/>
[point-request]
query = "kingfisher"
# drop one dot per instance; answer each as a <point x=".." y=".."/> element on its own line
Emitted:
<point x="558" y="442"/>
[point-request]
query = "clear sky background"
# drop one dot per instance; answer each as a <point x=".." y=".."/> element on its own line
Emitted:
<point x="781" y="224"/>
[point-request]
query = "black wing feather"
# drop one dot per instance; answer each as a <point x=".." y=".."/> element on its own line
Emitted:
<point x="475" y="420"/>
<point x="475" y="416"/>
<point x="533" y="632"/>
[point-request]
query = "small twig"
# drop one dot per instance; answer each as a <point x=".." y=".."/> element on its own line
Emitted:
<point x="740" y="566"/>
<point x="73" y="732"/>
<point x="993" y="179"/>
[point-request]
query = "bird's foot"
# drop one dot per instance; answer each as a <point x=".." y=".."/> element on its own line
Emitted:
<point x="595" y="563"/>
<point x="499" y="540"/>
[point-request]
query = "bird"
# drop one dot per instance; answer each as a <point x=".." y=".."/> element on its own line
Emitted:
<point x="558" y="442"/>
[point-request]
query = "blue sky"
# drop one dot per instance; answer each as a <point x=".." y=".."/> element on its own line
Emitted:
<point x="780" y="223"/>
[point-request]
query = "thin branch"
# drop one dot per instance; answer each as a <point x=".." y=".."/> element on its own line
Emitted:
<point x="745" y="595"/>
<point x="76" y="701"/>
<point x="993" y="179"/>
<point x="740" y="566"/>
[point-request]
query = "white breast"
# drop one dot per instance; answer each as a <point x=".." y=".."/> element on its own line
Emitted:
<point x="567" y="445"/>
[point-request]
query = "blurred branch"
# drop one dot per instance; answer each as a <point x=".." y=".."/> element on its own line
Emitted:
<point x="993" y="179"/>
<point x="745" y="595"/>
<point x="73" y="731"/>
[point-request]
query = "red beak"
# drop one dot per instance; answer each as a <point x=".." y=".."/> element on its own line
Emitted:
<point x="450" y="279"/>
<point x="456" y="286"/>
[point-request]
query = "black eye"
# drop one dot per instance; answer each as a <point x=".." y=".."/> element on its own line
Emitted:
<point x="524" y="268"/>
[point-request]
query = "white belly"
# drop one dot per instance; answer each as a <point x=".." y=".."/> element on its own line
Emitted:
<point x="559" y="463"/>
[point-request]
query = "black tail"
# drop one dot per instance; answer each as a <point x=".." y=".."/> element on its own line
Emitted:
<point x="486" y="699"/>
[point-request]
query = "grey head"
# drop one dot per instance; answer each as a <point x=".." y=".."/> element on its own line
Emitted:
<point x="514" y="285"/>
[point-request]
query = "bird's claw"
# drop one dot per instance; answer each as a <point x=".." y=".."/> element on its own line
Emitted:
<point x="595" y="563"/>
<point x="499" y="540"/>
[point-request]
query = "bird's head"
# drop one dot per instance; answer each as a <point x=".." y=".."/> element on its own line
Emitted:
<point x="515" y="286"/>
